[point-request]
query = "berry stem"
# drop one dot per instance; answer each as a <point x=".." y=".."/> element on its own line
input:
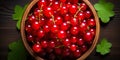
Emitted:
<point x="79" y="9"/>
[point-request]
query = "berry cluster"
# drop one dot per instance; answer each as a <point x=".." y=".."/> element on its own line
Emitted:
<point x="60" y="29"/>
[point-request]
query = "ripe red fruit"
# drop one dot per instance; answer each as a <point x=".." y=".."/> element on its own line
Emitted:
<point x="83" y="48"/>
<point x="42" y="3"/>
<point x="37" y="12"/>
<point x="35" y="25"/>
<point x="48" y="12"/>
<point x="31" y="18"/>
<point x="93" y="31"/>
<point x="40" y="33"/>
<point x="63" y="1"/>
<point x="74" y="30"/>
<point x="73" y="39"/>
<point x="67" y="17"/>
<point x="63" y="9"/>
<point x="73" y="47"/>
<point x="44" y="44"/>
<point x="54" y="28"/>
<point x="55" y="5"/>
<point x="51" y="44"/>
<point x="73" y="9"/>
<point x="46" y="28"/>
<point x="64" y="26"/>
<point x="77" y="53"/>
<point x="83" y="6"/>
<point x="80" y="41"/>
<point x="81" y="16"/>
<point x="30" y="38"/>
<point x="91" y="22"/>
<point x="62" y="34"/>
<point x="28" y="28"/>
<point x="74" y="21"/>
<point x="83" y="27"/>
<point x="58" y="20"/>
<point x="66" y="42"/>
<point x="66" y="52"/>
<point x="88" y="14"/>
<point x="37" y="48"/>
<point x="88" y="36"/>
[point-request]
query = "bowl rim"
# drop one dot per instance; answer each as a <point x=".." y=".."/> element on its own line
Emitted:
<point x="86" y="54"/>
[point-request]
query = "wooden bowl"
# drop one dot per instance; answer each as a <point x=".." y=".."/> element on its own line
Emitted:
<point x="39" y="58"/>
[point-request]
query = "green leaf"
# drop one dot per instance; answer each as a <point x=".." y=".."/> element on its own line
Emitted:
<point x="18" y="51"/>
<point x="104" y="47"/>
<point x="104" y="10"/>
<point x="18" y="13"/>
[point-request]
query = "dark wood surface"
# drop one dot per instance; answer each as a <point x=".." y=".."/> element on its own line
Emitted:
<point x="9" y="33"/>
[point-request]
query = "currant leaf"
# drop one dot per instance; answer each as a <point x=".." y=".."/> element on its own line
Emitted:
<point x="104" y="10"/>
<point x="18" y="51"/>
<point x="104" y="47"/>
<point x="18" y="12"/>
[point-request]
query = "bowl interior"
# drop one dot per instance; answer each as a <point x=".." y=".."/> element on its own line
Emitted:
<point x="23" y="35"/>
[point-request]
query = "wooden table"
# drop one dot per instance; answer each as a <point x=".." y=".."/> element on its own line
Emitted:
<point x="8" y="32"/>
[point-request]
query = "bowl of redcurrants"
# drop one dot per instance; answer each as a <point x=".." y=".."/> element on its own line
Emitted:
<point x="60" y="29"/>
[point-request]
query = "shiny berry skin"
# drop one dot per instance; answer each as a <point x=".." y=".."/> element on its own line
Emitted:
<point x="83" y="27"/>
<point x="55" y="5"/>
<point x="83" y="6"/>
<point x="40" y="33"/>
<point x="42" y="3"/>
<point x="58" y="20"/>
<point x="74" y="1"/>
<point x="28" y="28"/>
<point x="73" y="47"/>
<point x="74" y="21"/>
<point x="67" y="17"/>
<point x="74" y="30"/>
<point x="66" y="52"/>
<point x="37" y="12"/>
<point x="88" y="14"/>
<point x="81" y="16"/>
<point x="66" y="42"/>
<point x="44" y="44"/>
<point x="42" y="21"/>
<point x="35" y="25"/>
<point x="73" y="9"/>
<point x="54" y="28"/>
<point x="73" y="39"/>
<point x="80" y="41"/>
<point x="91" y="22"/>
<point x="48" y="12"/>
<point x="64" y="26"/>
<point x="46" y="28"/>
<point x="63" y="10"/>
<point x="62" y="34"/>
<point x="93" y="31"/>
<point x="37" y="48"/>
<point x="77" y="53"/>
<point x="51" y="44"/>
<point x="31" y="18"/>
<point x="88" y="36"/>
<point x="50" y="22"/>
<point x="30" y="38"/>
<point x="83" y="48"/>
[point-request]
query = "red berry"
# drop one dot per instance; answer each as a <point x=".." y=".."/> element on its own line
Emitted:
<point x="30" y="38"/>
<point x="80" y="41"/>
<point x="46" y="28"/>
<point x="84" y="48"/>
<point x="74" y="21"/>
<point x="64" y="26"/>
<point x="51" y="44"/>
<point x="61" y="34"/>
<point x="35" y="25"/>
<point x="77" y="53"/>
<point x="31" y="18"/>
<point x="88" y="14"/>
<point x="40" y="33"/>
<point x="88" y="36"/>
<point x="66" y="42"/>
<point x="74" y="30"/>
<point x="83" y="27"/>
<point x="58" y="20"/>
<point x="28" y="28"/>
<point x="83" y="6"/>
<point x="66" y="52"/>
<point x="73" y="47"/>
<point x="42" y="3"/>
<point x="66" y="17"/>
<point x="37" y="48"/>
<point x="63" y="1"/>
<point x="63" y="9"/>
<point x="73" y="39"/>
<point x="73" y="9"/>
<point x="56" y="5"/>
<point x="44" y="44"/>
<point x="54" y="28"/>
<point x="81" y="16"/>
<point x="48" y="12"/>
<point x="91" y="22"/>
<point x="93" y="31"/>
<point x="37" y="12"/>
